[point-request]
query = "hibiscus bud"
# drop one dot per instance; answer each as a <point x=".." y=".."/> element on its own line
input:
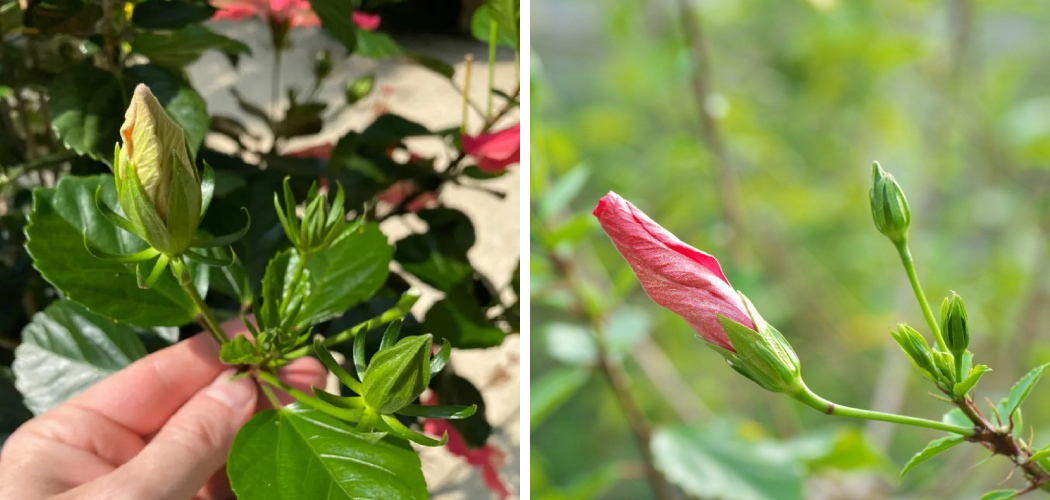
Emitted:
<point x="397" y="375"/>
<point x="677" y="276"/>
<point x="761" y="354"/>
<point x="955" y="325"/>
<point x="915" y="347"/>
<point x="157" y="184"/>
<point x="889" y="207"/>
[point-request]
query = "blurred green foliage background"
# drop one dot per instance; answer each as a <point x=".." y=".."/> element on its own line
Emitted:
<point x="951" y="96"/>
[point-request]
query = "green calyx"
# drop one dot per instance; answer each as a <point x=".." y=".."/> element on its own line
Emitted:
<point x="889" y="206"/>
<point x="955" y="325"/>
<point x="322" y="224"/>
<point x="762" y="355"/>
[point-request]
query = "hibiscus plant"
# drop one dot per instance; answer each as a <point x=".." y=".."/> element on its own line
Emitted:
<point x="690" y="283"/>
<point x="131" y="217"/>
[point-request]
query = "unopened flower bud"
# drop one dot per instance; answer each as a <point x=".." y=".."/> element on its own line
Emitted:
<point x="397" y="375"/>
<point x="762" y="354"/>
<point x="955" y="325"/>
<point x="889" y="207"/>
<point x="157" y="184"/>
<point x="915" y="347"/>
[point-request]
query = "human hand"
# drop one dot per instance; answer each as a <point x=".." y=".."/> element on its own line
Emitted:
<point x="160" y="430"/>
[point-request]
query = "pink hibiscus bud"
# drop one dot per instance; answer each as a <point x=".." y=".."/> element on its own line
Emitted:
<point x="690" y="283"/>
<point x="495" y="151"/>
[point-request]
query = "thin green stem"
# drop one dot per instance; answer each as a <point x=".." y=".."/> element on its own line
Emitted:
<point x="346" y="335"/>
<point x="807" y="397"/>
<point x="913" y="277"/>
<point x="493" y="32"/>
<point x="206" y="317"/>
<point x="276" y="403"/>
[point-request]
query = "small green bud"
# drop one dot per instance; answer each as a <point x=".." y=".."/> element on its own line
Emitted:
<point x="360" y="88"/>
<point x="398" y="375"/>
<point x="955" y="325"/>
<point x="157" y="184"/>
<point x="889" y="206"/>
<point x="322" y="223"/>
<point x="915" y="347"/>
<point x="762" y="355"/>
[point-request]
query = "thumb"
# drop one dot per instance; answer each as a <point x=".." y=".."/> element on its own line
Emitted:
<point x="193" y="445"/>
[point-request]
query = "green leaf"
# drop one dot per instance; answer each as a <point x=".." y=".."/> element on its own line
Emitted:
<point x="715" y="462"/>
<point x="438" y="257"/>
<point x="459" y="319"/>
<point x="177" y="49"/>
<point x="66" y="349"/>
<point x="936" y="447"/>
<point x="457" y="391"/>
<point x="183" y="104"/>
<point x="87" y="107"/>
<point x="56" y="225"/>
<point x="376" y="45"/>
<point x="440" y="411"/>
<point x="51" y="17"/>
<point x="964" y="387"/>
<point x="1019" y="392"/>
<point x="337" y="17"/>
<point x="480" y="28"/>
<point x="1039" y="455"/>
<point x="169" y="15"/>
<point x="552" y="389"/>
<point x="349" y="271"/>
<point x="848" y="449"/>
<point x="297" y="453"/>
<point x="999" y="495"/>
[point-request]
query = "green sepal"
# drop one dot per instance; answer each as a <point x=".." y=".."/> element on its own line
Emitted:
<point x="391" y="333"/>
<point x="141" y="212"/>
<point x="447" y="412"/>
<point x="348" y="402"/>
<point x="114" y="217"/>
<point x="359" y="355"/>
<point x="103" y="255"/>
<point x="207" y="188"/>
<point x="916" y="349"/>
<point x="398" y="375"/>
<point x="329" y="362"/>
<point x="763" y="354"/>
<point x="229" y="239"/>
<point x="396" y="428"/>
<point x="184" y="204"/>
<point x="945" y="364"/>
<point x="337" y="212"/>
<point x="962" y="388"/>
<point x="211" y="261"/>
<point x="441" y="359"/>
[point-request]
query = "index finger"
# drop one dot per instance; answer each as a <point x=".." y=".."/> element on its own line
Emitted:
<point x="143" y="396"/>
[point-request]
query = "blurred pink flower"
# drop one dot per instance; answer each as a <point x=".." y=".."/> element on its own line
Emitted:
<point x="400" y="191"/>
<point x="495" y="151"/>
<point x="297" y="13"/>
<point x="488" y="458"/>
<point x="677" y="276"/>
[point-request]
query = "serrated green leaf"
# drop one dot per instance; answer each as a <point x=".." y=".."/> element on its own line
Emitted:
<point x="964" y="387"/>
<point x="56" y="243"/>
<point x="87" y="107"/>
<point x="931" y="450"/>
<point x="296" y="453"/>
<point x="66" y="349"/>
<point x="715" y="462"/>
<point x="1020" y="391"/>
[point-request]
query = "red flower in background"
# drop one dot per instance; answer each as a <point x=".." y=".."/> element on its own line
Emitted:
<point x="677" y="276"/>
<point x="488" y="458"/>
<point x="495" y="151"/>
<point x="297" y="13"/>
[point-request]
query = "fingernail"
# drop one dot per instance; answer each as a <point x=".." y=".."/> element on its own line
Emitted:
<point x="233" y="393"/>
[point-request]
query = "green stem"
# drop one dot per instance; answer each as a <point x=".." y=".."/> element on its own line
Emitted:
<point x="207" y="318"/>
<point x="493" y="32"/>
<point x="807" y="397"/>
<point x="913" y="277"/>
<point x="346" y="335"/>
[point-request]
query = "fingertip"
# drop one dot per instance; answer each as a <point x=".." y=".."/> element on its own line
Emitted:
<point x="304" y="373"/>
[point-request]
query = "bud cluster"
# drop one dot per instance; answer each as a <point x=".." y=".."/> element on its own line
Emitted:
<point x="322" y="224"/>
